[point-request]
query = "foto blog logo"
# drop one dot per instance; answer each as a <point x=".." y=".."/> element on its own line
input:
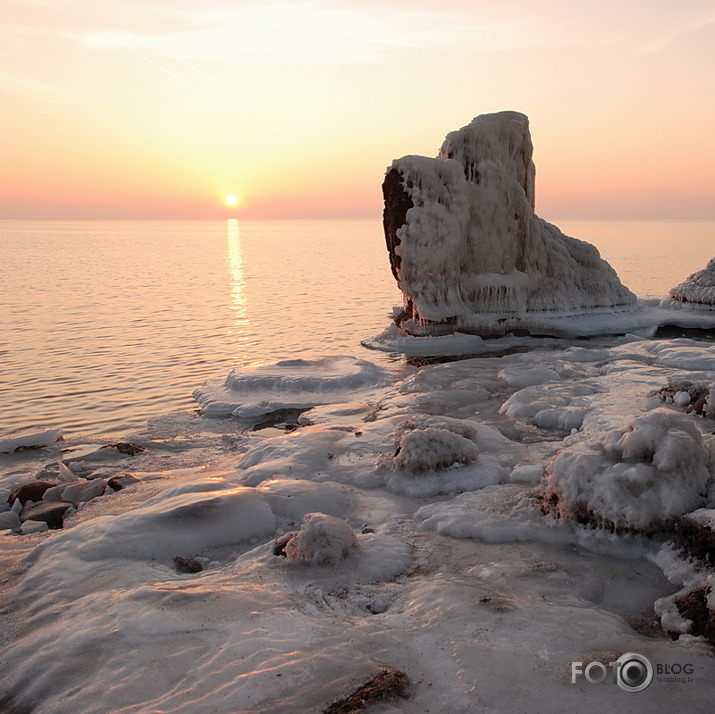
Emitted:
<point x="632" y="672"/>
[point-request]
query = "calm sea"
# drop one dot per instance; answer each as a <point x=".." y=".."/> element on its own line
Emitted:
<point x="106" y="324"/>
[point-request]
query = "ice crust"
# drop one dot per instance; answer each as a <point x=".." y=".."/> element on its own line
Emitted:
<point x="450" y="564"/>
<point x="471" y="253"/>
<point x="30" y="438"/>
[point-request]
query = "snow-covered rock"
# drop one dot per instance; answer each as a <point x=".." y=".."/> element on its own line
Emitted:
<point x="321" y="540"/>
<point x="636" y="478"/>
<point x="426" y="443"/>
<point x="466" y="247"/>
<point x="697" y="288"/>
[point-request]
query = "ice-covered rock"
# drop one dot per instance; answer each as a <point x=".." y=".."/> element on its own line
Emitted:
<point x="466" y="247"/>
<point x="321" y="540"/>
<point x="637" y="478"/>
<point x="426" y="443"/>
<point x="698" y="288"/>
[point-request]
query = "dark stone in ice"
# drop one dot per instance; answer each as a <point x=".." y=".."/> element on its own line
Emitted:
<point x="120" y="482"/>
<point x="51" y="512"/>
<point x="693" y="606"/>
<point x="33" y="491"/>
<point x="125" y="447"/>
<point x="279" y="548"/>
<point x="286" y="419"/>
<point x="187" y="565"/>
<point x="386" y="684"/>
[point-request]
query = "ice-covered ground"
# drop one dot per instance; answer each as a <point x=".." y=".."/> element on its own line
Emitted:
<point x="479" y="525"/>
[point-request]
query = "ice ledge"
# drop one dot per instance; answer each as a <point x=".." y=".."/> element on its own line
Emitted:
<point x="535" y="329"/>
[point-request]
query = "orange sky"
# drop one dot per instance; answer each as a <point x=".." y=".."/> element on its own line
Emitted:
<point x="160" y="108"/>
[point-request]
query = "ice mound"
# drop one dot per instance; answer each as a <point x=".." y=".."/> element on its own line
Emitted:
<point x="640" y="478"/>
<point x="698" y="288"/>
<point x="321" y="540"/>
<point x="426" y="443"/>
<point x="253" y="392"/>
<point x="467" y="249"/>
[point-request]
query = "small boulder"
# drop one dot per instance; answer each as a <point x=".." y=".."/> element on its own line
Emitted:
<point x="321" y="540"/>
<point x="187" y="565"/>
<point x="125" y="447"/>
<point x="51" y="512"/>
<point x="119" y="482"/>
<point x="33" y="491"/>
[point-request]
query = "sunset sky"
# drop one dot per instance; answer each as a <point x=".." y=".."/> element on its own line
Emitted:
<point x="160" y="109"/>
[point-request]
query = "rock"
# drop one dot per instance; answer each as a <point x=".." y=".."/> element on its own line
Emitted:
<point x="51" y="512"/>
<point x="696" y="534"/>
<point x="32" y="491"/>
<point x="466" y="247"/>
<point x="387" y="684"/>
<point x="120" y="482"/>
<point x="693" y="606"/>
<point x="187" y="565"/>
<point x="698" y="288"/>
<point x="124" y="447"/>
<point x="83" y="491"/>
<point x="321" y="540"/>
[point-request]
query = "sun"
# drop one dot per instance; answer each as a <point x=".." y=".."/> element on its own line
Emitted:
<point x="230" y="199"/>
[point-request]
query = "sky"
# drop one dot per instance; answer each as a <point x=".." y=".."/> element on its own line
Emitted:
<point x="160" y="109"/>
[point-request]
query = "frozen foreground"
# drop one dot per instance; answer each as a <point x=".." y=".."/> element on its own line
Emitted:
<point x="478" y="525"/>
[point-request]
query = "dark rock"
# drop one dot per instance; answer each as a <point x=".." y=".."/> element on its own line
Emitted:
<point x="387" y="684"/>
<point x="125" y="447"/>
<point x="286" y="419"/>
<point x="695" y="535"/>
<point x="51" y="512"/>
<point x="120" y="482"/>
<point x="33" y="491"/>
<point x="187" y="565"/>
<point x="394" y="215"/>
<point x="693" y="606"/>
<point x="279" y="547"/>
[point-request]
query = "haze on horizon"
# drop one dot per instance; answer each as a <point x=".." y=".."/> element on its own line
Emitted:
<point x="158" y="109"/>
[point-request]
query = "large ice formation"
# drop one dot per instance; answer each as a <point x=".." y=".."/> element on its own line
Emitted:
<point x="698" y="288"/>
<point x="466" y="247"/>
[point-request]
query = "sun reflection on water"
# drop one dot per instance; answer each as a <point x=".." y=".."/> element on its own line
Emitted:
<point x="238" y="278"/>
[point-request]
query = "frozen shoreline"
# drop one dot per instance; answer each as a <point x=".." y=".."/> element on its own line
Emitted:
<point x="457" y="576"/>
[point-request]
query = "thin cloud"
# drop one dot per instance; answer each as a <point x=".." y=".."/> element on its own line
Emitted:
<point x="213" y="80"/>
<point x="674" y="34"/>
<point x="180" y="79"/>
